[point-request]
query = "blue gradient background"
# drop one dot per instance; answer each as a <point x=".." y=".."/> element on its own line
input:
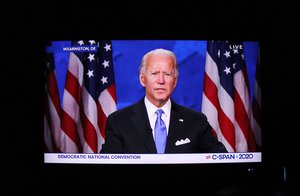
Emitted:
<point x="191" y="61"/>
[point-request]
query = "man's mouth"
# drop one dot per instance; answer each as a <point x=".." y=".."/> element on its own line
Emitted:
<point x="159" y="89"/>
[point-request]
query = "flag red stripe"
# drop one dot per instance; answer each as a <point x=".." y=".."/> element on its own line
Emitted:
<point x="243" y="121"/>
<point x="53" y="91"/>
<point x="112" y="91"/>
<point x="48" y="120"/>
<point x="69" y="125"/>
<point x="53" y="95"/>
<point x="241" y="114"/>
<point x="101" y="120"/>
<point x="73" y="87"/>
<point x="226" y="126"/>
<point x="90" y="135"/>
<point x="70" y="128"/>
<point x="211" y="90"/>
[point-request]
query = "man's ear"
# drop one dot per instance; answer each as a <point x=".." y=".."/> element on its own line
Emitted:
<point x="176" y="82"/>
<point x="142" y="80"/>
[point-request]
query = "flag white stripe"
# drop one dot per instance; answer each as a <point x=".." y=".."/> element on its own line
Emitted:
<point x="241" y="143"/>
<point x="212" y="117"/>
<point x="107" y="102"/>
<point x="226" y="103"/>
<point x="68" y="145"/>
<point x="55" y="124"/>
<point x="76" y="67"/>
<point x="90" y="110"/>
<point x="211" y="69"/>
<point x="89" y="107"/>
<point x="242" y="89"/>
<point x="71" y="107"/>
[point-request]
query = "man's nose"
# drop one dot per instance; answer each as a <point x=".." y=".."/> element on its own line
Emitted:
<point x="161" y="78"/>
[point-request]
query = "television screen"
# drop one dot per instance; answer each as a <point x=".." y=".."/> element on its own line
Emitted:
<point x="87" y="80"/>
<point x="61" y="93"/>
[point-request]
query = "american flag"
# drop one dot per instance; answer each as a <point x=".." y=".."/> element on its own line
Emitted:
<point x="52" y="110"/>
<point x="226" y="96"/>
<point x="256" y="104"/>
<point x="89" y="96"/>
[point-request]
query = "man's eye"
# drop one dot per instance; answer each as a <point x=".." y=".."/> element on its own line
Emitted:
<point x="154" y="73"/>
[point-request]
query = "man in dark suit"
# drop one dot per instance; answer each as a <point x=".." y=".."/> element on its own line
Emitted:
<point x="133" y="129"/>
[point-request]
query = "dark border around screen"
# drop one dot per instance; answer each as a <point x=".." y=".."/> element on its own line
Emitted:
<point x="27" y="168"/>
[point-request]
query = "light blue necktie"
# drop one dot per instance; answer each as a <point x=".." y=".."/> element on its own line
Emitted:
<point x="160" y="133"/>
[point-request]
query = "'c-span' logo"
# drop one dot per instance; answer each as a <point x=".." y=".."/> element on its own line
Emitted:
<point x="228" y="156"/>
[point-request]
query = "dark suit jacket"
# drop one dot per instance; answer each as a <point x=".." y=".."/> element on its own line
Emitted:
<point x="128" y="131"/>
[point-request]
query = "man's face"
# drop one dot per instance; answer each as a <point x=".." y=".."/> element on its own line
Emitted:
<point x="159" y="79"/>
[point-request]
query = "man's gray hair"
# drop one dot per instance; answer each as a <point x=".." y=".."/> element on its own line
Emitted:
<point x="158" y="51"/>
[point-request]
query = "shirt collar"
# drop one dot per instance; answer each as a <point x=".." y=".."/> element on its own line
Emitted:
<point x="152" y="108"/>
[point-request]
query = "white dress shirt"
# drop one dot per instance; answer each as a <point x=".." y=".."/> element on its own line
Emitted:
<point x="151" y="111"/>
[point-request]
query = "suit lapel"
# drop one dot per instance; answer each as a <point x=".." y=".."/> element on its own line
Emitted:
<point x="176" y="125"/>
<point x="142" y="125"/>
